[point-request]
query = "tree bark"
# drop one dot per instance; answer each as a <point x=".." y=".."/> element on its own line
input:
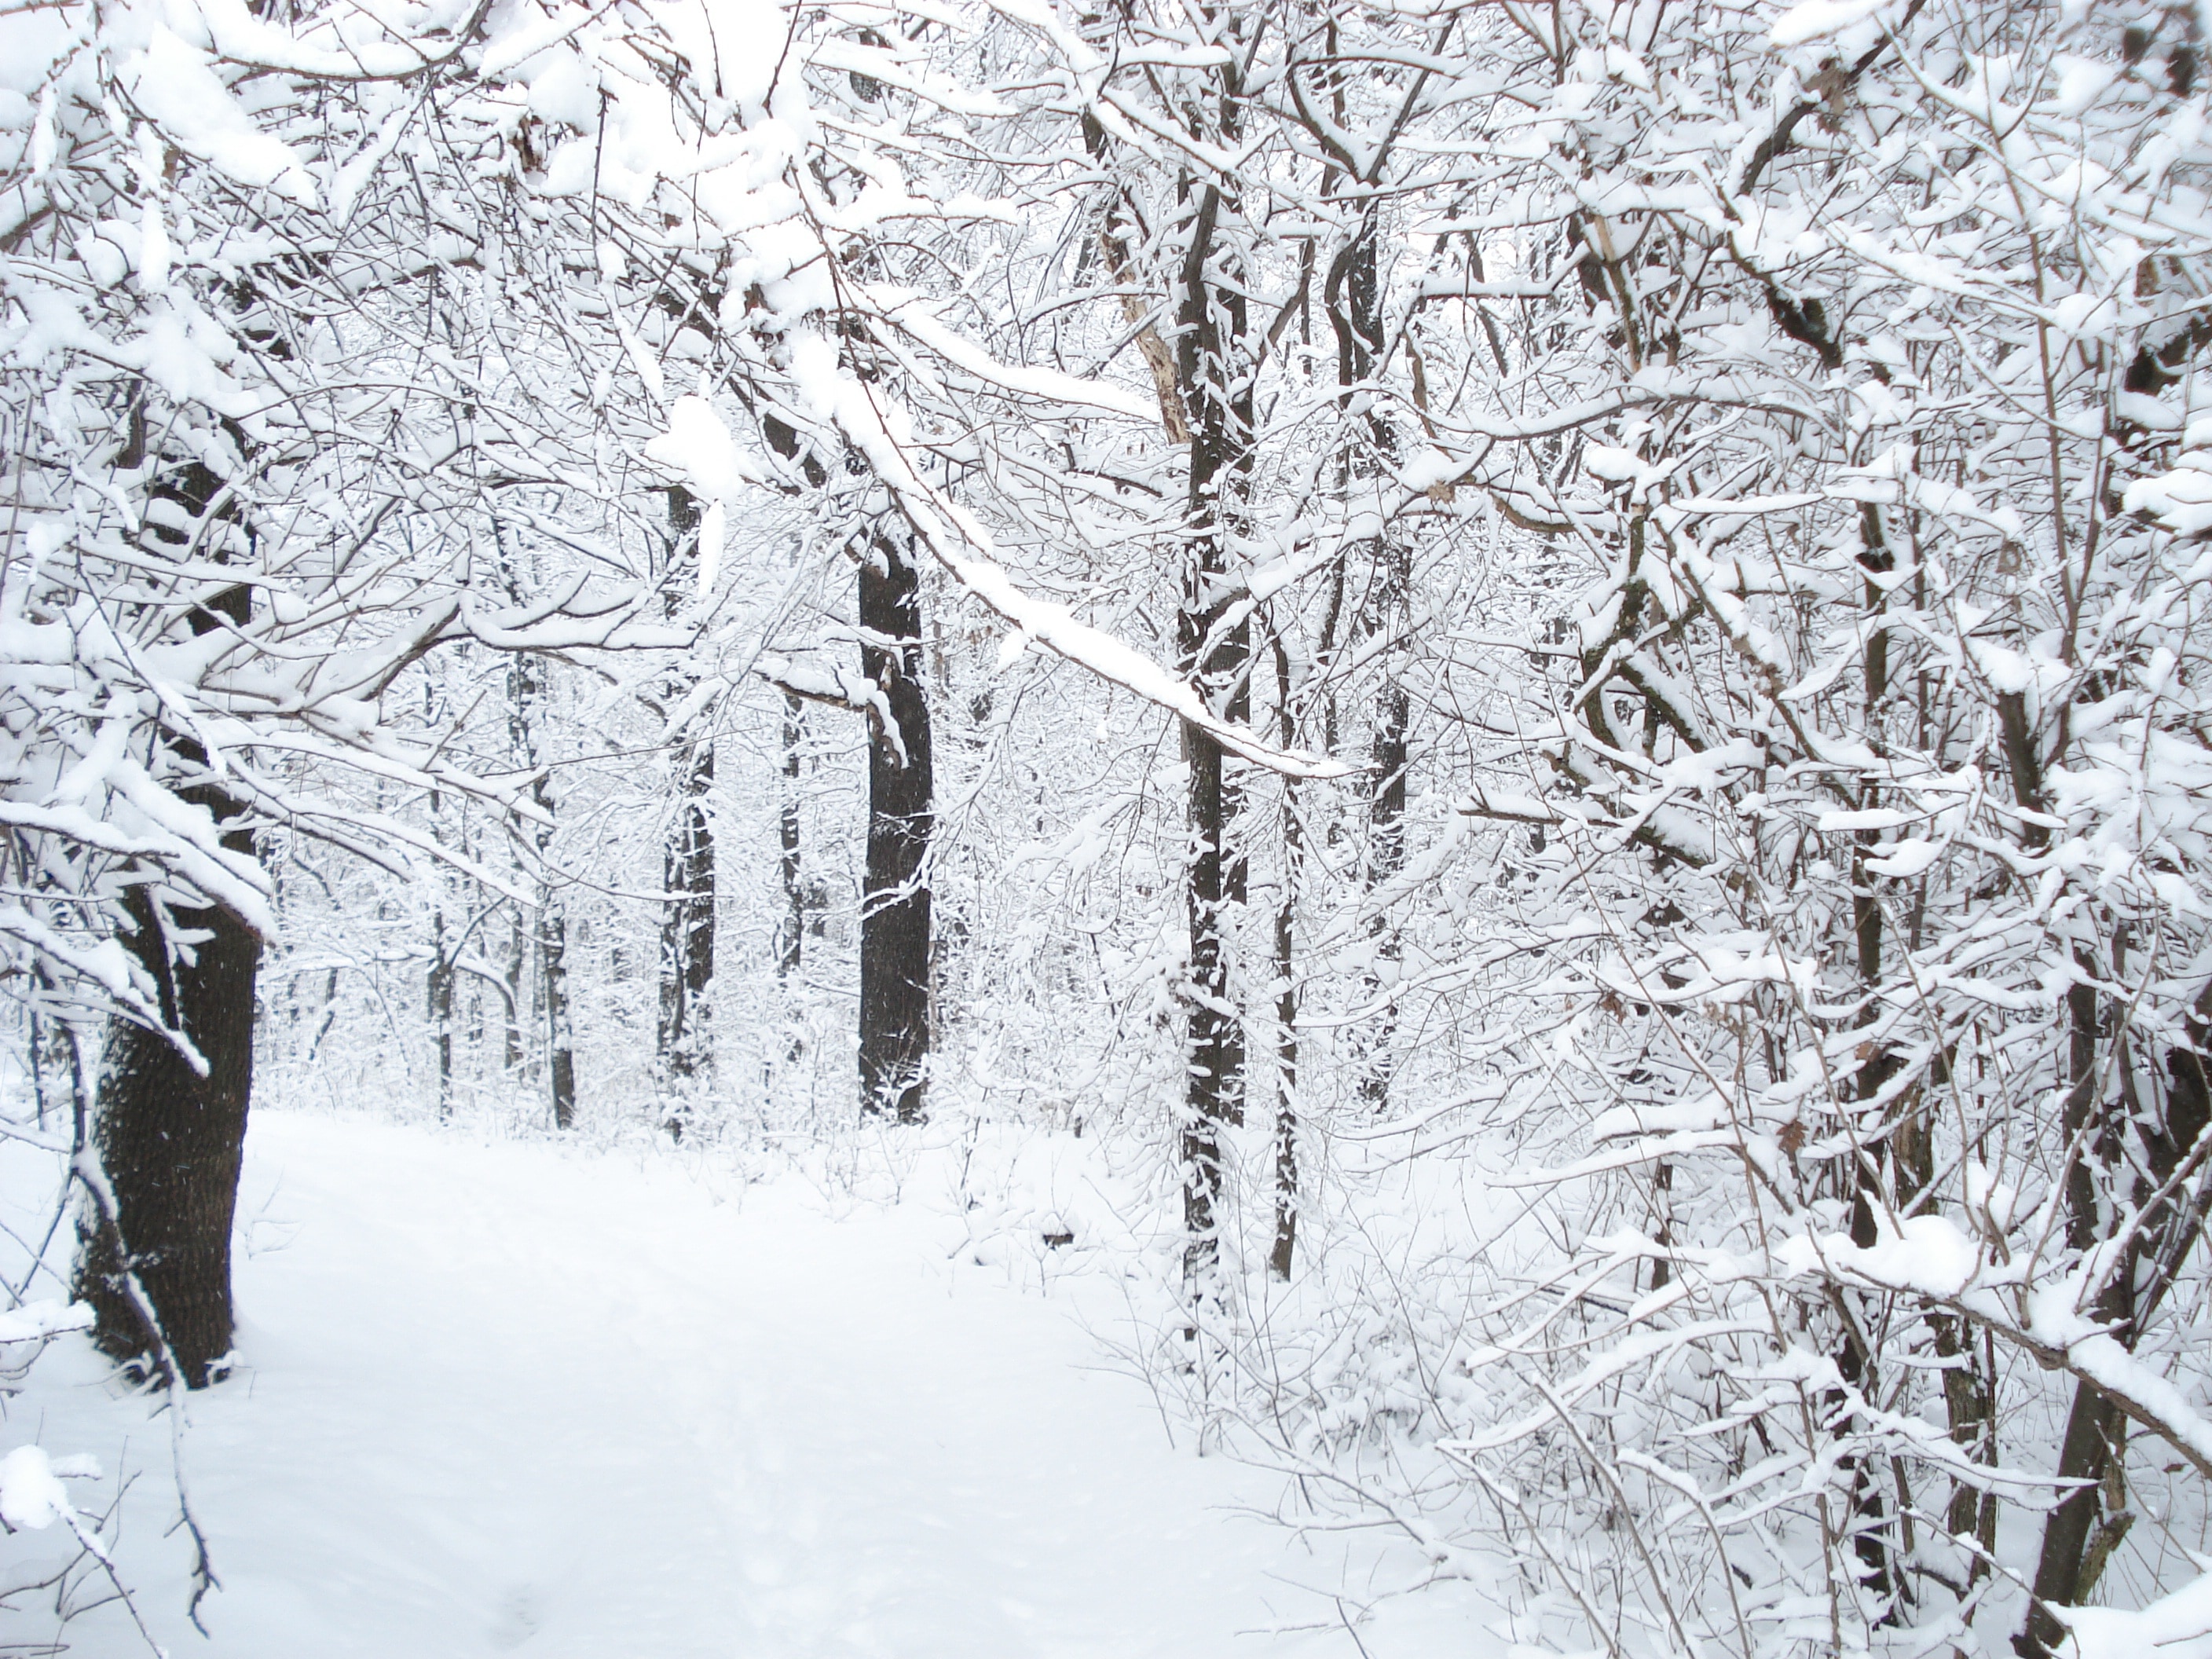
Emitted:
<point x="685" y="1046"/>
<point x="1352" y="297"/>
<point x="438" y="997"/>
<point x="1210" y="326"/>
<point x="894" y="920"/>
<point x="526" y="690"/>
<point x="2080" y="1533"/>
<point x="518" y="964"/>
<point x="687" y="922"/>
<point x="438" y="982"/>
<point x="2094" y="1427"/>
<point x="170" y="1140"/>
<point x="791" y="935"/>
<point x="560" y="1039"/>
<point x="1280" y="1256"/>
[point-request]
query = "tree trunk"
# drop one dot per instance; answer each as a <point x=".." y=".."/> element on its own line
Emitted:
<point x="1216" y="1063"/>
<point x="438" y="996"/>
<point x="1352" y="297"/>
<point x="687" y="924"/>
<point x="559" y="1041"/>
<point x="169" y="1140"/>
<point x="685" y="1046"/>
<point x="438" y="984"/>
<point x="553" y="968"/>
<point x="1217" y="402"/>
<point x="1286" y="995"/>
<point x="894" y="1034"/>
<point x="2093" y="1425"/>
<point x="791" y="936"/>
<point x="526" y="690"/>
<point x="1878" y="1544"/>
<point x="517" y="963"/>
<point x="1386" y="857"/>
<point x="2080" y="1534"/>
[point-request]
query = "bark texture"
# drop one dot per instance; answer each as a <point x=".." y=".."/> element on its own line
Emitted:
<point x="1216" y="655"/>
<point x="1285" y="1248"/>
<point x="1352" y="297"/>
<point x="687" y="921"/>
<point x="684" y="1045"/>
<point x="169" y="1139"/>
<point x="894" y="921"/>
<point x="2148" y="1131"/>
<point x="791" y="933"/>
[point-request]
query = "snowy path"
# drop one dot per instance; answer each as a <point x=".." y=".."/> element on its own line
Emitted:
<point x="510" y="1398"/>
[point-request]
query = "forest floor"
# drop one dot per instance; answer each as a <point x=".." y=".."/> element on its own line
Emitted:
<point x="515" y="1397"/>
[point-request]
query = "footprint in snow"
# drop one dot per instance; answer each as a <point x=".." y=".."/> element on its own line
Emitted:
<point x="518" y="1619"/>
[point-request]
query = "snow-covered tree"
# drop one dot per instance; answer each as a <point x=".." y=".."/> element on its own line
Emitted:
<point x="1595" y="602"/>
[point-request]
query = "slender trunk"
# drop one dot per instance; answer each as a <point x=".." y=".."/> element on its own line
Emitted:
<point x="1215" y="1046"/>
<point x="559" y="1041"/>
<point x="1877" y="1540"/>
<point x="1662" y="1220"/>
<point x="1352" y="297"/>
<point x="1216" y="884"/>
<point x="1967" y="1400"/>
<point x="684" y="1049"/>
<point x="523" y="743"/>
<point x="2092" y="1450"/>
<point x="791" y="938"/>
<point x="687" y="925"/>
<point x="1386" y="857"/>
<point x="1286" y="996"/>
<point x="895" y="1032"/>
<point x="518" y="960"/>
<point x="49" y="1053"/>
<point x="438" y="996"/>
<point x="1216" y="658"/>
<point x="476" y="1002"/>
<point x="553" y="959"/>
<point x="526" y="688"/>
<point x="1969" y="1370"/>
<point x="438" y="982"/>
<point x="326" y="1018"/>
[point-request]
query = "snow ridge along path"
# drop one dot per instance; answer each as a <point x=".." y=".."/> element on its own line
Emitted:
<point x="522" y="1398"/>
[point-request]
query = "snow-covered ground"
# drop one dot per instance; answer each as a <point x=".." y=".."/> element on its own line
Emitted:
<point x="519" y="1397"/>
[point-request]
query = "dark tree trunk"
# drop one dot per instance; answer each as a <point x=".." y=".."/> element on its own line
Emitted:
<point x="1872" y="1541"/>
<point x="438" y="995"/>
<point x="559" y="1041"/>
<point x="791" y="937"/>
<point x="687" y="921"/>
<point x="684" y="1049"/>
<point x="2094" y="1427"/>
<point x="527" y="691"/>
<point x="1386" y="857"/>
<point x="1217" y="397"/>
<point x="1216" y="1074"/>
<point x="438" y="986"/>
<point x="894" y="1034"/>
<point x="518" y="964"/>
<point x="2080" y="1534"/>
<point x="1967" y="1400"/>
<point x="1352" y="296"/>
<point x="169" y="1140"/>
<point x="1286" y="995"/>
